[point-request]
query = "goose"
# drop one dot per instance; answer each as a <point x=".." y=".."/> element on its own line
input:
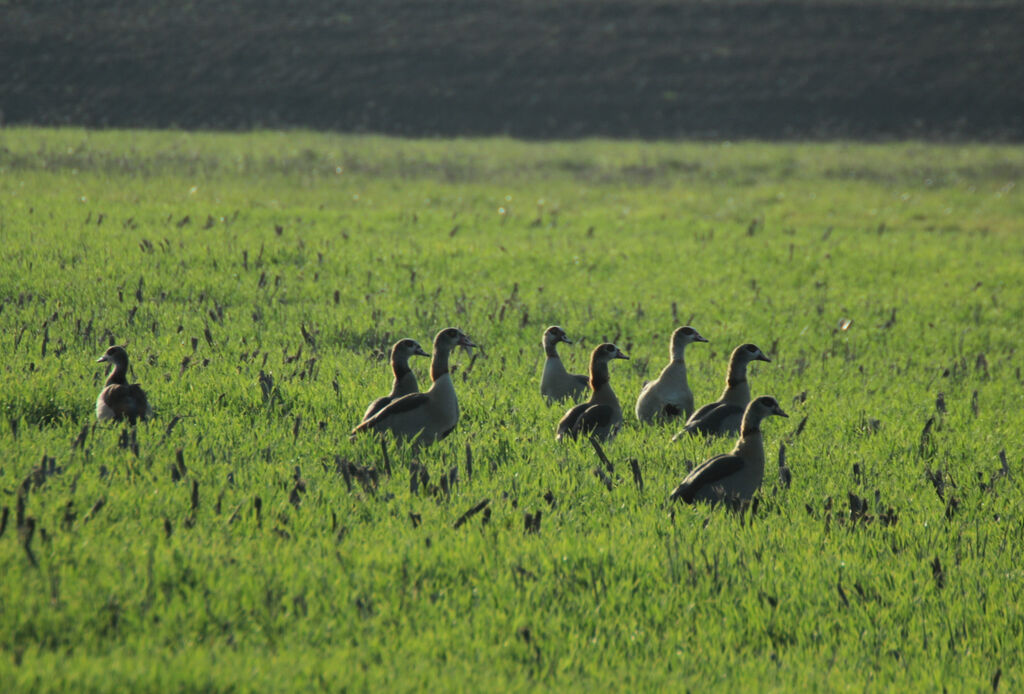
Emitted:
<point x="120" y="400"/>
<point x="429" y="416"/>
<point x="556" y="383"/>
<point x="405" y="379"/>
<point x="601" y="415"/>
<point x="669" y="395"/>
<point x="725" y="414"/>
<point x="733" y="477"/>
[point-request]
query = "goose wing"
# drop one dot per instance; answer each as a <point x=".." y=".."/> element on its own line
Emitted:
<point x="595" y="419"/>
<point x="703" y="411"/>
<point x="722" y="418"/>
<point x="405" y="407"/>
<point x="126" y="401"/>
<point x="376" y="406"/>
<point x="567" y="424"/>
<point x="705" y="475"/>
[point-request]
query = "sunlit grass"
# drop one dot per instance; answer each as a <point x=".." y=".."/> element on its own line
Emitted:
<point x="302" y="256"/>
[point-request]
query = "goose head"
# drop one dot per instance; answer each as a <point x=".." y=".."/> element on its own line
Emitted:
<point x="604" y="353"/>
<point x="682" y="337"/>
<point x="403" y="349"/>
<point x="764" y="406"/>
<point x="748" y="353"/>
<point x="554" y="335"/>
<point x="116" y="355"/>
<point x="450" y="338"/>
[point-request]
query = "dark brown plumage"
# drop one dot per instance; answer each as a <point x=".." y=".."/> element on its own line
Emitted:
<point x="724" y="416"/>
<point x="120" y="400"/>
<point x="429" y="416"/>
<point x="601" y="415"/>
<point x="735" y="476"/>
<point x="405" y="380"/>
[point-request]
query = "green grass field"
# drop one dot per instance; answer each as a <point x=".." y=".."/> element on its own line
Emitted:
<point x="217" y="257"/>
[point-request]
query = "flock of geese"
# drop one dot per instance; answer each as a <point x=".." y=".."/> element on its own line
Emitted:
<point x="425" y="417"/>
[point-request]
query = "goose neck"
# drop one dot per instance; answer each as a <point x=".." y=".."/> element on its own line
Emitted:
<point x="599" y="375"/>
<point x="118" y="374"/>
<point x="439" y="363"/>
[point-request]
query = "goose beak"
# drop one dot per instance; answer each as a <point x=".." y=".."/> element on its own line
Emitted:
<point x="778" y="411"/>
<point x="464" y="341"/>
<point x="102" y="359"/>
<point x="420" y="351"/>
<point x="761" y="356"/>
<point x="563" y="338"/>
<point x="700" y="338"/>
<point x="619" y="354"/>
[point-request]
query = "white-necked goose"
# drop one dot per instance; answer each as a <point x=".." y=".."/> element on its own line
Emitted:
<point x="429" y="416"/>
<point x="669" y="395"/>
<point x="120" y="400"/>
<point x="556" y="383"/>
<point x="736" y="476"/>
<point x="723" y="416"/>
<point x="405" y="379"/>
<point x="601" y="415"/>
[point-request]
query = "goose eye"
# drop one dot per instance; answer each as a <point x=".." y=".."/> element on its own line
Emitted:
<point x="687" y="331"/>
<point x="451" y="332"/>
<point x="609" y="348"/>
<point x="770" y="402"/>
<point x="751" y="348"/>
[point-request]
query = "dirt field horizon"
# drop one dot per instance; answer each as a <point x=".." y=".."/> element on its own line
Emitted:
<point x="532" y="69"/>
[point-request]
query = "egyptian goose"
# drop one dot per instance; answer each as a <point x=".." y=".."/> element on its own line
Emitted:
<point x="405" y="379"/>
<point x="429" y="416"/>
<point x="733" y="477"/>
<point x="725" y="414"/>
<point x="120" y="400"/>
<point x="556" y="383"/>
<point x="601" y="415"/>
<point x="669" y="395"/>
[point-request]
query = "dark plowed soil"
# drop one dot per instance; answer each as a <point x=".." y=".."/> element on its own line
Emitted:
<point x="530" y="68"/>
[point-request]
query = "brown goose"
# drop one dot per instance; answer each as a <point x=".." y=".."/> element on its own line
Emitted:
<point x="669" y="395"/>
<point x="733" y="477"/>
<point x="601" y="415"/>
<point x="556" y="383"/>
<point x="429" y="416"/>
<point x="405" y="379"/>
<point x="120" y="400"/>
<point x="725" y="414"/>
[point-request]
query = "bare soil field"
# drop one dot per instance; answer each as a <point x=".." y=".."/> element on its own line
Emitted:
<point x="530" y="68"/>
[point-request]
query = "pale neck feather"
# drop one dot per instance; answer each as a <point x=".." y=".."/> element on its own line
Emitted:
<point x="674" y="372"/>
<point x="442" y="397"/>
<point x="553" y="365"/>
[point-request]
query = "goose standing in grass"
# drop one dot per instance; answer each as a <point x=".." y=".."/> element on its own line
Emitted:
<point x="405" y="380"/>
<point x="556" y="383"/>
<point x="669" y="395"/>
<point x="736" y="476"/>
<point x="723" y="416"/>
<point x="601" y="415"/>
<point x="429" y="416"/>
<point x="120" y="400"/>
